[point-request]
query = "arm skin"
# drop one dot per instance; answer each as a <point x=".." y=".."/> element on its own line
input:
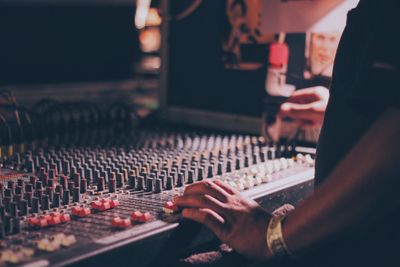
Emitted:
<point x="365" y="180"/>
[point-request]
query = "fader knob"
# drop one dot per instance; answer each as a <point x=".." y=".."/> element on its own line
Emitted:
<point x="157" y="186"/>
<point x="56" y="200"/>
<point x="45" y="205"/>
<point x="169" y="183"/>
<point x="13" y="209"/>
<point x="16" y="225"/>
<point x="65" y="198"/>
<point x="190" y="177"/>
<point x="76" y="194"/>
<point x="149" y="185"/>
<point x="180" y="180"/>
<point x="112" y="184"/>
<point x="140" y="183"/>
<point x="200" y="174"/>
<point x="210" y="172"/>
<point x="23" y="207"/>
<point x="100" y="184"/>
<point x="35" y="205"/>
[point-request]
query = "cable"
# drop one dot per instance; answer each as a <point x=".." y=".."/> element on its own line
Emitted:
<point x="4" y="121"/>
<point x="189" y="10"/>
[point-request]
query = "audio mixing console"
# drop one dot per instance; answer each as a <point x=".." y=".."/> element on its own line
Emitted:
<point x="62" y="204"/>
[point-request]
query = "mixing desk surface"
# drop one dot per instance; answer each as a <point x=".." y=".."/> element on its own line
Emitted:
<point x="64" y="204"/>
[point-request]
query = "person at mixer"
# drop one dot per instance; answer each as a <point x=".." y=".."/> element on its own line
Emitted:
<point x="352" y="217"/>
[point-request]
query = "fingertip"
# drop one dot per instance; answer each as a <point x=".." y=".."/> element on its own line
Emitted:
<point x="285" y="107"/>
<point x="187" y="213"/>
<point x="176" y="200"/>
<point x="184" y="213"/>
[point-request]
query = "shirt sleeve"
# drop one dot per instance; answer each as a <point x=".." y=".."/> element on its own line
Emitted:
<point x="378" y="79"/>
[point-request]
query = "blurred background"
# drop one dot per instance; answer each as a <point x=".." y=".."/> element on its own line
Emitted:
<point x="74" y="50"/>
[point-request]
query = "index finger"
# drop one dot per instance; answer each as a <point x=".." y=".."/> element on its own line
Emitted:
<point x="207" y="187"/>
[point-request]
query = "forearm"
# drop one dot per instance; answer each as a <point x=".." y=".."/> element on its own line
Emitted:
<point x="363" y="181"/>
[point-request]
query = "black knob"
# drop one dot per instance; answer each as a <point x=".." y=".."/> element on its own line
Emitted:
<point x="210" y="172"/>
<point x="45" y="202"/>
<point x="11" y="185"/>
<point x="71" y="185"/>
<point x="76" y="194"/>
<point x="157" y="186"/>
<point x="83" y="186"/>
<point x="180" y="180"/>
<point x="16" y="225"/>
<point x="2" y="212"/>
<point x="23" y="207"/>
<point x="7" y="224"/>
<point x="169" y="184"/>
<point x="20" y="182"/>
<point x="56" y="200"/>
<point x="49" y="193"/>
<point x="65" y="198"/>
<point x="238" y="164"/>
<point x="64" y="182"/>
<point x="120" y="180"/>
<point x="191" y="175"/>
<point x="131" y="181"/>
<point x="35" y="205"/>
<point x="112" y="184"/>
<point x="2" y="229"/>
<point x="100" y="184"/>
<point x="229" y="166"/>
<point x="140" y="182"/>
<point x="200" y="174"/>
<point x="220" y="170"/>
<point x="13" y="209"/>
<point x="8" y="192"/>
<point x="149" y="185"/>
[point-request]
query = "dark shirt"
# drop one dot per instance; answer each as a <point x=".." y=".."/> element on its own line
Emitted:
<point x="365" y="80"/>
<point x="365" y="83"/>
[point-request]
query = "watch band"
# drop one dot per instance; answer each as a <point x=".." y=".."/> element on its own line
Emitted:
<point x="274" y="237"/>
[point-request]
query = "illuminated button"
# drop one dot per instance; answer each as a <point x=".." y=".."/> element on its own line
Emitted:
<point x="170" y="207"/>
<point x="12" y="256"/>
<point x="27" y="252"/>
<point x="121" y="223"/>
<point x="48" y="245"/>
<point x="284" y="163"/>
<point x="65" y="240"/>
<point x="114" y="203"/>
<point x="267" y="178"/>
<point x="257" y="180"/>
<point x="290" y="162"/>
<point x="54" y="218"/>
<point x="80" y="211"/>
<point x="248" y="182"/>
<point x="65" y="217"/>
<point x="68" y="241"/>
<point x="39" y="222"/>
<point x="104" y="204"/>
<point x="239" y="185"/>
<point x="269" y="167"/>
<point x="254" y="170"/>
<point x="277" y="165"/>
<point x="300" y="158"/>
<point x="141" y="217"/>
<point x="308" y="160"/>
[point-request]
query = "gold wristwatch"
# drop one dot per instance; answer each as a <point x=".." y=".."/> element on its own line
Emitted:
<point x="275" y="241"/>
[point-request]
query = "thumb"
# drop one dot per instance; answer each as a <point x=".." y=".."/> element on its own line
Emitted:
<point x="297" y="111"/>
